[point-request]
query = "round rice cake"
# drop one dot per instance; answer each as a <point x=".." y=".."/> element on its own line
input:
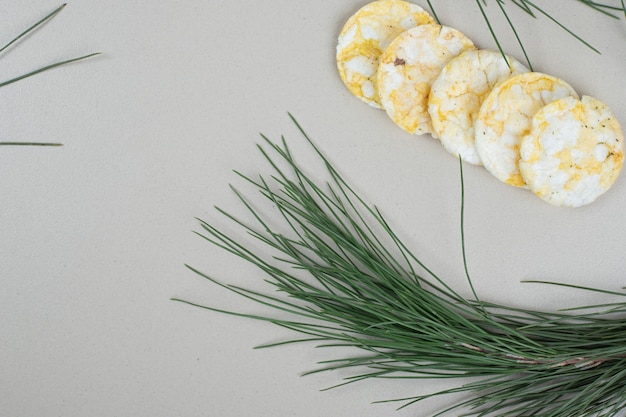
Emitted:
<point x="408" y="68"/>
<point x="366" y="35"/>
<point x="573" y="153"/>
<point x="505" y="117"/>
<point x="458" y="92"/>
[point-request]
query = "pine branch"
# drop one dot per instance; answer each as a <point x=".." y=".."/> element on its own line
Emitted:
<point x="366" y="296"/>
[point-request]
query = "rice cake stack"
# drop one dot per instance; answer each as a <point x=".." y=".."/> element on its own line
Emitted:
<point x="528" y="129"/>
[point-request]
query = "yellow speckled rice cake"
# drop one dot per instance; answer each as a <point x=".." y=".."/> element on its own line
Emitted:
<point x="365" y="36"/>
<point x="573" y="153"/>
<point x="408" y="68"/>
<point x="458" y="92"/>
<point x="505" y="118"/>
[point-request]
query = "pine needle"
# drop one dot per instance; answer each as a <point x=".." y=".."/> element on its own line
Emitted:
<point x="500" y="4"/>
<point x="29" y="144"/>
<point x="38" y="70"/>
<point x="530" y="8"/>
<point x="549" y="16"/>
<point x="33" y="27"/>
<point x="47" y="68"/>
<point x="367" y="297"/>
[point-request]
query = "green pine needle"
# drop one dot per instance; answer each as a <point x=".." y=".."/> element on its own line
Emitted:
<point x="366" y="292"/>
<point x="48" y="67"/>
<point x="530" y="8"/>
<point x="29" y="144"/>
<point x="500" y="4"/>
<point x="38" y="70"/>
<point x="33" y="27"/>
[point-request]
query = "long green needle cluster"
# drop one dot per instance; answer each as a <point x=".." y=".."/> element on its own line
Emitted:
<point x="343" y="278"/>
<point x="614" y="11"/>
<point x="38" y="70"/>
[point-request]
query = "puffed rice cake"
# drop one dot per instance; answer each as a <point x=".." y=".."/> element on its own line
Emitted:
<point x="505" y="117"/>
<point x="366" y="35"/>
<point x="573" y="153"/>
<point x="408" y="68"/>
<point x="458" y="92"/>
